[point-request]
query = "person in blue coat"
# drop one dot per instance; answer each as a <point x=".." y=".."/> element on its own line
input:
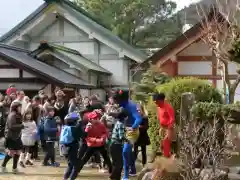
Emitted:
<point x="132" y="123"/>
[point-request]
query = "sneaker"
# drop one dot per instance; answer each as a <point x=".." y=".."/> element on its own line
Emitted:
<point x="15" y="171"/>
<point x="29" y="163"/>
<point x="132" y="174"/>
<point x="56" y="164"/>
<point x="46" y="164"/>
<point x="22" y="164"/>
<point x="3" y="170"/>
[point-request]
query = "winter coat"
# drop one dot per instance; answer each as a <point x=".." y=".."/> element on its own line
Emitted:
<point x="97" y="134"/>
<point x="29" y="133"/>
<point x="143" y="139"/>
<point x="14" y="126"/>
<point x="50" y="129"/>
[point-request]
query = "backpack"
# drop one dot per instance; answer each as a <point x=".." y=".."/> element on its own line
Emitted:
<point x="66" y="136"/>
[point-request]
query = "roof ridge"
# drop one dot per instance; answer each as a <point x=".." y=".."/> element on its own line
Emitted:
<point x="13" y="48"/>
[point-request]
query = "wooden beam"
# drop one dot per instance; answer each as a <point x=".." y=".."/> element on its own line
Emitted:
<point x="22" y="80"/>
<point x="7" y="66"/>
<point x="60" y="39"/>
<point x="194" y="58"/>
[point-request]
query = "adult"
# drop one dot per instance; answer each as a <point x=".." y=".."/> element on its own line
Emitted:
<point x="143" y="139"/>
<point x="75" y="104"/>
<point x="61" y="108"/>
<point x="20" y="99"/>
<point x="165" y="114"/>
<point x="11" y="91"/>
<point x="13" y="143"/>
<point x="132" y="124"/>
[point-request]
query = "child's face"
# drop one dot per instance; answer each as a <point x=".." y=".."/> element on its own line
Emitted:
<point x="51" y="113"/>
<point x="28" y="116"/>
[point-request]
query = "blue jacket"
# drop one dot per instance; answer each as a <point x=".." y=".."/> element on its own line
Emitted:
<point x="50" y="129"/>
<point x="134" y="118"/>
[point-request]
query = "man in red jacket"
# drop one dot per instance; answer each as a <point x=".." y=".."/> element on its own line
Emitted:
<point x="166" y="116"/>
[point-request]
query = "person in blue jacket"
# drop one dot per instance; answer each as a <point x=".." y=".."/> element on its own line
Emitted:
<point x="132" y="123"/>
<point x="50" y="136"/>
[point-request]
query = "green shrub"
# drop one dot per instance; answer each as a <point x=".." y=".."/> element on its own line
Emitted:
<point x="203" y="90"/>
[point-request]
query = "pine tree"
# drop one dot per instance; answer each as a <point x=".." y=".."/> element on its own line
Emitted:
<point x="147" y="85"/>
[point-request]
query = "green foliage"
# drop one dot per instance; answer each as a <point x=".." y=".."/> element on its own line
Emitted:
<point x="137" y="22"/>
<point x="235" y="52"/>
<point x="204" y="92"/>
<point x="147" y="85"/>
<point x="209" y="111"/>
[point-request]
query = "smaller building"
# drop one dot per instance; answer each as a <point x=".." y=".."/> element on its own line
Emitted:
<point x="188" y="55"/>
<point x="20" y="67"/>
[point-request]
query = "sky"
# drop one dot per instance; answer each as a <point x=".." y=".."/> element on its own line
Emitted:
<point x="13" y="11"/>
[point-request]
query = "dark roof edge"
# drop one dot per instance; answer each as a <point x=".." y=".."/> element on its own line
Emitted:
<point x="22" y="23"/>
<point x="14" y="48"/>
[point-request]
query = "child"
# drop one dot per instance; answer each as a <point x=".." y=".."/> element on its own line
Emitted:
<point x="50" y="136"/>
<point x="28" y="138"/>
<point x="97" y="135"/>
<point x="117" y="140"/>
<point x="69" y="142"/>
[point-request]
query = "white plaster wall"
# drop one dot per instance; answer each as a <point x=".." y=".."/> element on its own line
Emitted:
<point x="232" y="69"/>
<point x="72" y="30"/>
<point x="2" y="62"/>
<point x="52" y="30"/>
<point x="197" y="49"/>
<point x="104" y="49"/>
<point x="33" y="46"/>
<point x="82" y="47"/>
<point x="195" y="68"/>
<point x="28" y="75"/>
<point x="9" y="73"/>
<point x="119" y="68"/>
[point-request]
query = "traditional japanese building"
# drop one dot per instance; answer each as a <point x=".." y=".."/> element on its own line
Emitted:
<point x="188" y="55"/>
<point x="65" y="41"/>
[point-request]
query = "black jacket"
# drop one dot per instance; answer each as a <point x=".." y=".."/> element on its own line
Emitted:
<point x="143" y="139"/>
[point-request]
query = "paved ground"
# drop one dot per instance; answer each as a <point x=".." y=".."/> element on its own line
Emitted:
<point x="38" y="172"/>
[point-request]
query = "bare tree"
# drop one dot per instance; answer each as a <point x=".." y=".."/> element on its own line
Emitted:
<point x="202" y="145"/>
<point x="221" y="32"/>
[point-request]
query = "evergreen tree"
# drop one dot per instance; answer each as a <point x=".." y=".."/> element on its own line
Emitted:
<point x="147" y="85"/>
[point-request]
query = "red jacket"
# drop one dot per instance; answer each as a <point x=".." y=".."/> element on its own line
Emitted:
<point x="97" y="134"/>
<point x="166" y="115"/>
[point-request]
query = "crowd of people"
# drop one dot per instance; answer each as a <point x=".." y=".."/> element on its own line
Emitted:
<point x="87" y="131"/>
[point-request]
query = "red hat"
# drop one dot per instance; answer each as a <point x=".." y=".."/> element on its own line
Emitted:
<point x="11" y="90"/>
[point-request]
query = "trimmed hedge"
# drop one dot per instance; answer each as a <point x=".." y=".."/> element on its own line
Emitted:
<point x="203" y="90"/>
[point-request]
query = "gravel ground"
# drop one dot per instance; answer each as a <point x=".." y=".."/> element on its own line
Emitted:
<point x="38" y="172"/>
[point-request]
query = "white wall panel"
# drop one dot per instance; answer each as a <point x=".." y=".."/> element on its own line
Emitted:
<point x="28" y="75"/>
<point x="107" y="50"/>
<point x="232" y="68"/>
<point x="71" y="30"/>
<point x="82" y="47"/>
<point x="9" y="73"/>
<point x="197" y="49"/>
<point x="2" y="62"/>
<point x="195" y="67"/>
<point x="119" y="70"/>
